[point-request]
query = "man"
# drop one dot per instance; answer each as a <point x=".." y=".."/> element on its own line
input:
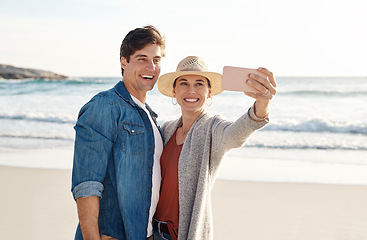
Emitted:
<point x="116" y="171"/>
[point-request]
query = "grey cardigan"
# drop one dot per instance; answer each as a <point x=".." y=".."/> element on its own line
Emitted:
<point x="208" y="140"/>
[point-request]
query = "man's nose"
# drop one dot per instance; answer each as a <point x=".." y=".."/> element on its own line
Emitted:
<point x="150" y="65"/>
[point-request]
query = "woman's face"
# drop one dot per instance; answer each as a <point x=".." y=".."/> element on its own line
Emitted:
<point x="191" y="92"/>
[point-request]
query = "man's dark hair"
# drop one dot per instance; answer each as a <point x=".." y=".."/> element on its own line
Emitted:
<point x="138" y="38"/>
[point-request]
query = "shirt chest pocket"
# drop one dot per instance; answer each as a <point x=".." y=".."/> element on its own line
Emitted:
<point x="132" y="138"/>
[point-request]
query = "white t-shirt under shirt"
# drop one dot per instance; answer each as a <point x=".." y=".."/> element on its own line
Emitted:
<point x="156" y="167"/>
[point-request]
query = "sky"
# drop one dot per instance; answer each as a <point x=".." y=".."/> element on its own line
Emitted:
<point x="289" y="37"/>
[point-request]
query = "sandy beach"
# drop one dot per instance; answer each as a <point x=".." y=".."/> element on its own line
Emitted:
<point x="37" y="204"/>
<point x="289" y="211"/>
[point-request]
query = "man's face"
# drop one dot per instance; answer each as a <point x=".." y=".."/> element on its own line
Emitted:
<point x="142" y="71"/>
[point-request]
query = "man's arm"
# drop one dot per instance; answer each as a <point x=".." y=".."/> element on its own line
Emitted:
<point x="88" y="210"/>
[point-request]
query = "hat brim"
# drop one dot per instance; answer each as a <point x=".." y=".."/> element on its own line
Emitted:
<point x="165" y="82"/>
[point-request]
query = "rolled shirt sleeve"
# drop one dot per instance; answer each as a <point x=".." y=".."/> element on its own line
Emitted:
<point x="95" y="131"/>
<point x="88" y="189"/>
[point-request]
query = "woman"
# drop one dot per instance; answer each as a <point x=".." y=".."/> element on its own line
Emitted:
<point x="195" y="145"/>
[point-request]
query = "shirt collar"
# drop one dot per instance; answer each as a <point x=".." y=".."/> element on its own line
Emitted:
<point x="124" y="94"/>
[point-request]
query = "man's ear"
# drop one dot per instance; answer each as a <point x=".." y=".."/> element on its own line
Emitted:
<point x="123" y="62"/>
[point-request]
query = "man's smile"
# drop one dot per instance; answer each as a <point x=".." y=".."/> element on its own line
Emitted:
<point x="148" y="77"/>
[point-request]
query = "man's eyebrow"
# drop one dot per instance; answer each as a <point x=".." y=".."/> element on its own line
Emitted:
<point x="140" y="55"/>
<point x="143" y="55"/>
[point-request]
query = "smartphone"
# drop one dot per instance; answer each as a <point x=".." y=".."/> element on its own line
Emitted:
<point x="234" y="79"/>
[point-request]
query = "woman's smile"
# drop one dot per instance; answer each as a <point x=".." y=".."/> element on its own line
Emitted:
<point x="191" y="100"/>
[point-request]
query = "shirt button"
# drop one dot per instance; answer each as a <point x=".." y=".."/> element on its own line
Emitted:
<point x="132" y="130"/>
<point x="148" y="189"/>
<point x="149" y="170"/>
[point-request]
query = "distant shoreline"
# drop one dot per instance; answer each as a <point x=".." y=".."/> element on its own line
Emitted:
<point x="12" y="72"/>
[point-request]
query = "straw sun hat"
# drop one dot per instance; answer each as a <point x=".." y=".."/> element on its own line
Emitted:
<point x="191" y="65"/>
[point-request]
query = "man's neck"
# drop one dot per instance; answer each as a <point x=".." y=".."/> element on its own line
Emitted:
<point x="141" y="96"/>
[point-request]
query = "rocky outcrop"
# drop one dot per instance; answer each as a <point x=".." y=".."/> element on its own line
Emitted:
<point x="11" y="72"/>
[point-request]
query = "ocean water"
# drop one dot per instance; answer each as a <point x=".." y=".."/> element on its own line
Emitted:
<point x="317" y="133"/>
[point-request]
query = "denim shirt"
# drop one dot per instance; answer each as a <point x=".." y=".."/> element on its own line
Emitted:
<point x="113" y="159"/>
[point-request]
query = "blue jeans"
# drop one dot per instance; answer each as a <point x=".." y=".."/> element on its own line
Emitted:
<point x="160" y="235"/>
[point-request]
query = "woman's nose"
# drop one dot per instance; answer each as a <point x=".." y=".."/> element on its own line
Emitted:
<point x="191" y="89"/>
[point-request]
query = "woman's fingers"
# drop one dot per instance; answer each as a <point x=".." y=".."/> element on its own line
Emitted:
<point x="269" y="74"/>
<point x="264" y="83"/>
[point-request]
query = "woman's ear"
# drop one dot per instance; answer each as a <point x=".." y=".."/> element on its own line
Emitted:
<point x="210" y="93"/>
